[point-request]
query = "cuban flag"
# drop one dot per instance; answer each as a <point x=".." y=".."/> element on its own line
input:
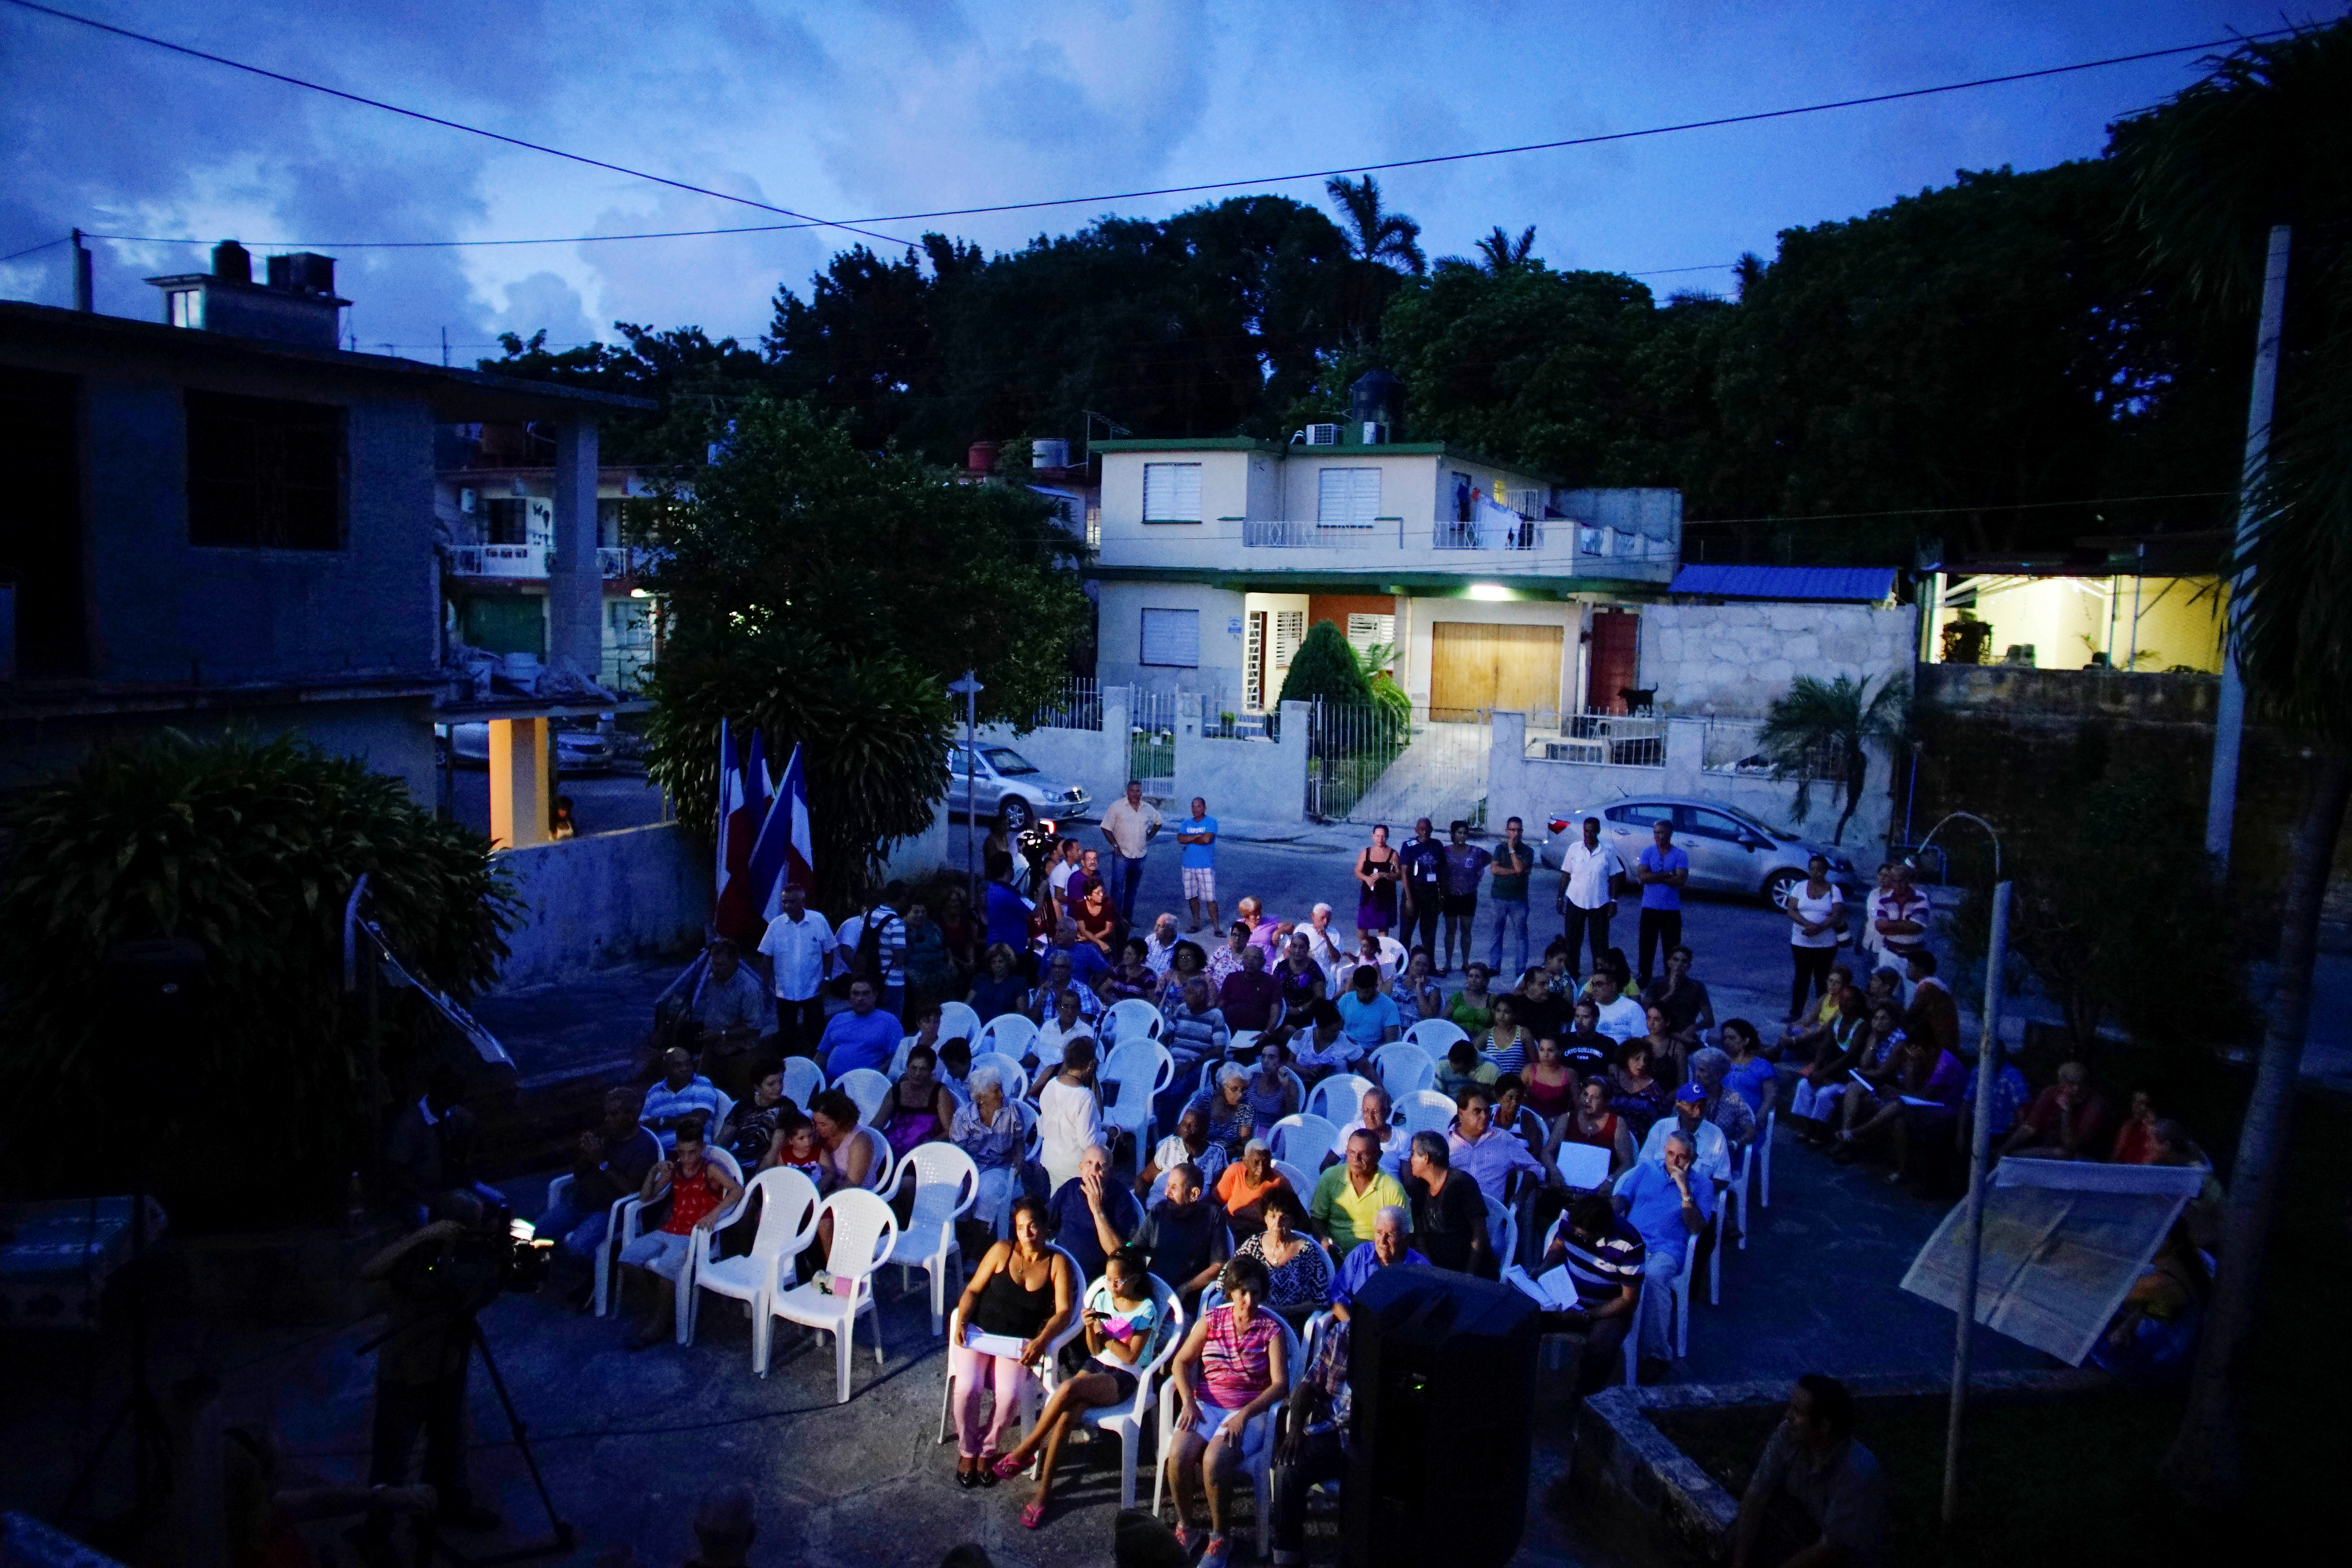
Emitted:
<point x="784" y="853"/>
<point x="743" y="797"/>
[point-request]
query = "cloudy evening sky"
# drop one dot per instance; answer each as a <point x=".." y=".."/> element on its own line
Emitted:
<point x="846" y="110"/>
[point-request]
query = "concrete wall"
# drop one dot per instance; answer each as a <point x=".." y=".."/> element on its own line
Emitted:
<point x="1735" y="660"/>
<point x="1536" y="789"/>
<point x="1243" y="781"/>
<point x="1120" y="639"/>
<point x="603" y="899"/>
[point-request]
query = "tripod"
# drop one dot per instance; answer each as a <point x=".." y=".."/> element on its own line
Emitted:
<point x="560" y="1536"/>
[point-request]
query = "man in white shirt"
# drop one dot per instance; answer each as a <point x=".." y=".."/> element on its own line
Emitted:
<point x="1588" y="870"/>
<point x="1714" y="1159"/>
<point x="1620" y="1017"/>
<point x="1129" y="825"/>
<point x="1373" y="1115"/>
<point x="798" y="946"/>
<point x="1066" y="866"/>
<point x="1323" y="945"/>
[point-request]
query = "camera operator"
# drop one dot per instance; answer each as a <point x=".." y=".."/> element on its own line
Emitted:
<point x="439" y="1277"/>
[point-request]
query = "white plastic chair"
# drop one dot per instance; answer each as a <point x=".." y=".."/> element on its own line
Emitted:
<point x="1764" y="1161"/>
<point x="1131" y="1020"/>
<point x="1502" y="1232"/>
<point x="803" y="1081"/>
<point x="1583" y="1167"/>
<point x="719" y="1120"/>
<point x="958" y="1022"/>
<point x="868" y="1087"/>
<point x="1014" y="1034"/>
<point x="1735" y="1195"/>
<point x="1141" y="1068"/>
<point x="1403" y="1069"/>
<point x="624" y="1230"/>
<point x="865" y="1232"/>
<point x="946" y="1183"/>
<point x="1340" y="1098"/>
<point x="1631" y="1345"/>
<point x="1303" y="1140"/>
<point x="1302" y="1184"/>
<point x="1008" y="1068"/>
<point x="1682" y="1298"/>
<point x="1437" y="1036"/>
<point x="1426" y="1111"/>
<point x="1258" y="1462"/>
<point x="1048" y="1371"/>
<point x="558" y="1191"/>
<point x="1126" y="1419"/>
<point x="788" y="1206"/>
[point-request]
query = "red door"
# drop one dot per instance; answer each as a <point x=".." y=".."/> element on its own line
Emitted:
<point x="1615" y="662"/>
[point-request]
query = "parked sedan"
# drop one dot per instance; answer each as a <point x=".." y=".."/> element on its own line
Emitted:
<point x="1008" y="782"/>
<point x="1731" y="851"/>
<point x="580" y="751"/>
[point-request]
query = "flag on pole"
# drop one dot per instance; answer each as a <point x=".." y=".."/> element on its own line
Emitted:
<point x="784" y="853"/>
<point x="731" y="797"/>
<point x="739" y="897"/>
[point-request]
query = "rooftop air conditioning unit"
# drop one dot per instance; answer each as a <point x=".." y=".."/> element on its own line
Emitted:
<point x="1322" y="435"/>
<point x="1375" y="434"/>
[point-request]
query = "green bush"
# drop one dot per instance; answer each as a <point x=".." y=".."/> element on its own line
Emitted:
<point x="254" y="1111"/>
<point x="1325" y="666"/>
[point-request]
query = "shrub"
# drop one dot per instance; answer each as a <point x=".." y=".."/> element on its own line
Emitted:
<point x="1325" y="666"/>
<point x="255" y="1110"/>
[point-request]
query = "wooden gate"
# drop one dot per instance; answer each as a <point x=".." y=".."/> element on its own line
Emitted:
<point x="1475" y="667"/>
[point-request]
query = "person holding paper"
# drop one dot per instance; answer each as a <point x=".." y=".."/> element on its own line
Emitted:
<point x="1020" y="1297"/>
<point x="1590" y="1284"/>
<point x="1928" y="1077"/>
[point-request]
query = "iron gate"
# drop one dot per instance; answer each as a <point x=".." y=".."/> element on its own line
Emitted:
<point x="1152" y="741"/>
<point x="1370" y="765"/>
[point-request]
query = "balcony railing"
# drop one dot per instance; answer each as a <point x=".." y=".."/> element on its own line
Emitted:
<point x="497" y="560"/>
<point x="1617" y="544"/>
<point x="1526" y="533"/>
<point x="1300" y="534"/>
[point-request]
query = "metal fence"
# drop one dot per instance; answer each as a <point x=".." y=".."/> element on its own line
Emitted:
<point x="1151" y="739"/>
<point x="1349" y="745"/>
<point x="1603" y="740"/>
<point x="1079" y="706"/>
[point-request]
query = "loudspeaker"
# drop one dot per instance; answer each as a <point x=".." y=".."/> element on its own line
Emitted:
<point x="1442" y="1366"/>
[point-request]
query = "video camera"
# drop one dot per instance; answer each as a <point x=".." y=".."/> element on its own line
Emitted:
<point x="523" y="1258"/>
<point x="1036" y="846"/>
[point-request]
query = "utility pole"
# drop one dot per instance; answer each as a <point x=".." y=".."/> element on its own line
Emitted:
<point x="970" y="689"/>
<point x="2229" y="718"/>
<point x="445" y="348"/>
<point x="84" y="299"/>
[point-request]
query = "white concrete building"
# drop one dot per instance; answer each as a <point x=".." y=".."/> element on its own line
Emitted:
<point x="1496" y="586"/>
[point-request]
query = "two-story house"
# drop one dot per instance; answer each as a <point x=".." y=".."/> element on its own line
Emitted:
<point x="220" y="517"/>
<point x="1489" y="584"/>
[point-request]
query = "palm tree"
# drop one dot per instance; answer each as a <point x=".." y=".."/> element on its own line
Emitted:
<point x="1382" y="238"/>
<point x="1501" y="253"/>
<point x="1821" y="731"/>
<point x="2264" y="141"/>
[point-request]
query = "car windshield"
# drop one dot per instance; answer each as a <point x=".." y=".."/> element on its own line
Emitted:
<point x="1766" y="828"/>
<point x="1005" y="760"/>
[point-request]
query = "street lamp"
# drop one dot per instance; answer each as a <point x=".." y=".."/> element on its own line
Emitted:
<point x="1979" y="1156"/>
<point x="970" y="689"/>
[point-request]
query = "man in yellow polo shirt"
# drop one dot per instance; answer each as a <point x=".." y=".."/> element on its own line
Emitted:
<point x="1349" y="1197"/>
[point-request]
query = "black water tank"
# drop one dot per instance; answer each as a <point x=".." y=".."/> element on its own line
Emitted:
<point x="304" y="271"/>
<point x="1377" y="398"/>
<point x="1443" y="1368"/>
<point x="232" y="262"/>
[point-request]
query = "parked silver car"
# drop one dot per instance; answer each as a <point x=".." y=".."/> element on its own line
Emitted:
<point x="577" y="750"/>
<point x="1731" y="851"/>
<point x="1008" y="782"/>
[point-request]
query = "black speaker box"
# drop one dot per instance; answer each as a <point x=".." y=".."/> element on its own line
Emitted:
<point x="1442" y="1366"/>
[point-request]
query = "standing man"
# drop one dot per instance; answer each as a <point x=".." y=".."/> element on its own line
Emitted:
<point x="1899" y="914"/>
<point x="1509" y="871"/>
<point x="1421" y="872"/>
<point x="1129" y="825"/>
<point x="796" y="946"/>
<point x="1465" y="864"/>
<point x="1066" y="866"/>
<point x="890" y="928"/>
<point x="1665" y="867"/>
<point x="1588" y="899"/>
<point x="1199" y="837"/>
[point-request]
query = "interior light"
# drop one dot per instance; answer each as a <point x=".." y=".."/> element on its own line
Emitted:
<point x="639" y="594"/>
<point x="1489" y="591"/>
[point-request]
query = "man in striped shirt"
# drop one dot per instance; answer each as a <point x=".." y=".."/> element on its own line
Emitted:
<point x="1603" y="1255"/>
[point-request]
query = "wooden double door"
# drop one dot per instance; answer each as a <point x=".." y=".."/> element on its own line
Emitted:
<point x="1475" y="667"/>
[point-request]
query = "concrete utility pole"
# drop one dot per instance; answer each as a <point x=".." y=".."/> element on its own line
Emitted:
<point x="83" y="299"/>
<point x="970" y="689"/>
<point x="2229" y="719"/>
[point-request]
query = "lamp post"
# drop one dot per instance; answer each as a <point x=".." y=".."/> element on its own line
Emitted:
<point x="1979" y="1156"/>
<point x="970" y="689"/>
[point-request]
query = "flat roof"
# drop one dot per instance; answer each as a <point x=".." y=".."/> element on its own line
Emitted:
<point x="1864" y="585"/>
<point x="456" y="395"/>
<point x="1284" y="448"/>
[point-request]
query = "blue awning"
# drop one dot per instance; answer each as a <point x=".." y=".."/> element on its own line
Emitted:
<point x="1862" y="584"/>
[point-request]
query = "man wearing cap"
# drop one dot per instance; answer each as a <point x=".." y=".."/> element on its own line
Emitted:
<point x="1713" y="1159"/>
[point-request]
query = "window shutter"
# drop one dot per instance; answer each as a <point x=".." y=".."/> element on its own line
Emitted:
<point x="1289" y="631"/>
<point x="1171" y="493"/>
<point x="1348" y="498"/>
<point x="1172" y="637"/>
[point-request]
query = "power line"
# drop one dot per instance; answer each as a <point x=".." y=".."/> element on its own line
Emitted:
<point x="850" y="225"/>
<point x="437" y="119"/>
<point x="1933" y="511"/>
<point x="31" y="249"/>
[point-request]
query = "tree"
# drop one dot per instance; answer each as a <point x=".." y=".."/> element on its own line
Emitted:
<point x="2264" y="140"/>
<point x="828" y="596"/>
<point x="697" y="381"/>
<point x="250" y="848"/>
<point x="1822" y="729"/>
<point x="1500" y="253"/>
<point x="1383" y="246"/>
<point x="1326" y="670"/>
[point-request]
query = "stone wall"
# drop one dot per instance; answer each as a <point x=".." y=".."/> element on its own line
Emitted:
<point x="1733" y="660"/>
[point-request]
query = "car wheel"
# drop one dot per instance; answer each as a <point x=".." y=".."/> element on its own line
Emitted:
<point x="1015" y="813"/>
<point x="1777" y="885"/>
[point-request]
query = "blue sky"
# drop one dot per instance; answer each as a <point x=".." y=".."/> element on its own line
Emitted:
<point x="847" y="109"/>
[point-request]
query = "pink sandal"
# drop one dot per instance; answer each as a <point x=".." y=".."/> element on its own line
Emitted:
<point x="1033" y="1516"/>
<point x="1008" y="1467"/>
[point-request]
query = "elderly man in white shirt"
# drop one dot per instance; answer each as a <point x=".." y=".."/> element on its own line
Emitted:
<point x="1373" y="1115"/>
<point x="1714" y="1159"/>
<point x="1323" y="944"/>
<point x="1588" y="869"/>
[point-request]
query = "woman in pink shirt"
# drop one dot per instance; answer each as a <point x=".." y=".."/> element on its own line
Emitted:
<point x="1234" y="1365"/>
